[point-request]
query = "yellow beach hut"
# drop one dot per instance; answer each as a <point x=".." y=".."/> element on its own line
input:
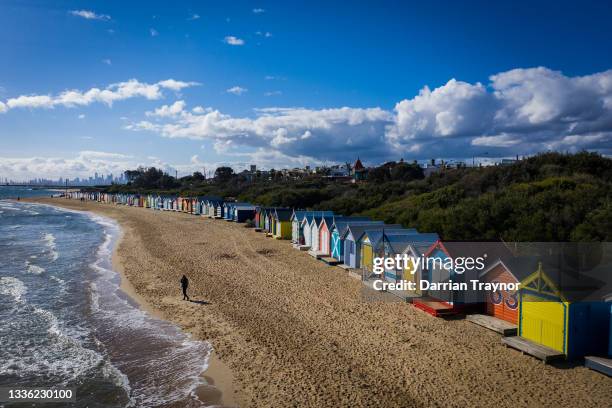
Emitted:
<point x="282" y="223"/>
<point x="557" y="310"/>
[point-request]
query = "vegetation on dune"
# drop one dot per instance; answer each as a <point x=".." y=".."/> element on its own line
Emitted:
<point x="548" y="197"/>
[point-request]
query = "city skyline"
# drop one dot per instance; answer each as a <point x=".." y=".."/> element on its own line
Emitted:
<point x="94" y="180"/>
<point x="197" y="85"/>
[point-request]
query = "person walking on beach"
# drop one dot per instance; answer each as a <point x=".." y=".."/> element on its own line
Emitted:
<point x="184" y="285"/>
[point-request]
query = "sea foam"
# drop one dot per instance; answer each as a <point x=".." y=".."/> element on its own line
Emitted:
<point x="50" y="242"/>
<point x="34" y="269"/>
<point x="12" y="287"/>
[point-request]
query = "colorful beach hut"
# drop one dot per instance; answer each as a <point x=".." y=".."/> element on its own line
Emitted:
<point x="373" y="243"/>
<point x="243" y="212"/>
<point x="352" y="242"/>
<point x="260" y="217"/>
<point x="210" y="206"/>
<point x="557" y="311"/>
<point x="311" y="229"/>
<point x="338" y="230"/>
<point x="220" y="207"/>
<point x="315" y="230"/>
<point x="325" y="230"/>
<point x="502" y="304"/>
<point x="309" y="220"/>
<point x="413" y="245"/>
<point x="268" y="222"/>
<point x="282" y="223"/>
<point x="297" y="232"/>
<point x="442" y="254"/>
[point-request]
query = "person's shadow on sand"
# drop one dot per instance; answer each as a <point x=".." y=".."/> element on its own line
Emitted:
<point x="200" y="302"/>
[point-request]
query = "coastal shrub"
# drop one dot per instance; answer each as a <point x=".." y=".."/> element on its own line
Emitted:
<point x="547" y="197"/>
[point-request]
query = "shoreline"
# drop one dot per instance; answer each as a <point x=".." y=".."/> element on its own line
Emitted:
<point x="219" y="389"/>
<point x="294" y="330"/>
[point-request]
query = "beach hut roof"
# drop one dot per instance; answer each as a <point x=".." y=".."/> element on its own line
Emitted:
<point x="328" y="220"/>
<point x="282" y="214"/>
<point x="357" y="230"/>
<point x="345" y="218"/>
<point x="342" y="227"/>
<point x="244" y="205"/>
<point x="574" y="285"/>
<point x="245" y="208"/>
<point x="315" y="216"/>
<point x="519" y="266"/>
<point x="301" y="214"/>
<point x="376" y="236"/>
<point x="494" y="250"/>
<point x="305" y="216"/>
<point x="419" y="241"/>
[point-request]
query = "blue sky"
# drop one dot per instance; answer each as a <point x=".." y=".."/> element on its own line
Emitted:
<point x="291" y="83"/>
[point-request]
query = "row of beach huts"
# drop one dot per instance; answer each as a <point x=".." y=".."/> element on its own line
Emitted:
<point x="555" y="313"/>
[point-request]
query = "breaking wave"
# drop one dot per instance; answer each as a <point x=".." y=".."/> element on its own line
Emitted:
<point x="50" y="242"/>
<point x="34" y="269"/>
<point x="12" y="287"/>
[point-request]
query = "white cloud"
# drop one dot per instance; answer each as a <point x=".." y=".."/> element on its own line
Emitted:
<point x="194" y="17"/>
<point x="81" y="116"/>
<point x="90" y="15"/>
<point x="231" y="40"/>
<point x="92" y="155"/>
<point x="107" y="61"/>
<point x="273" y="93"/>
<point x="112" y="93"/>
<point x="236" y="90"/>
<point x="176" y="85"/>
<point x="33" y="101"/>
<point x="520" y="111"/>
<point x="292" y="131"/>
<point x="153" y="32"/>
<point x="258" y="10"/>
<point x="84" y="164"/>
<point x="198" y="110"/>
<point x="503" y="140"/>
<point x="444" y="112"/>
<point x="168" y="110"/>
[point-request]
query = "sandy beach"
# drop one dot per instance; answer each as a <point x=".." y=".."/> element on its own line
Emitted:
<point x="291" y="331"/>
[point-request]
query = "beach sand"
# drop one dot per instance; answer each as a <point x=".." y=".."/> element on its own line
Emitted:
<point x="290" y="331"/>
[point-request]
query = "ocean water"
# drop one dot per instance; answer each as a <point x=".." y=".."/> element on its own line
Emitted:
<point x="66" y="323"/>
<point x="15" y="192"/>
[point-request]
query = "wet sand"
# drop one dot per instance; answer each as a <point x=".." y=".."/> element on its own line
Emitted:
<point x="218" y="376"/>
<point x="291" y="331"/>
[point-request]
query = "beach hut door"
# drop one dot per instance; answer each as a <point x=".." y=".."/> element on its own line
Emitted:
<point x="324" y="242"/>
<point x="543" y="322"/>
